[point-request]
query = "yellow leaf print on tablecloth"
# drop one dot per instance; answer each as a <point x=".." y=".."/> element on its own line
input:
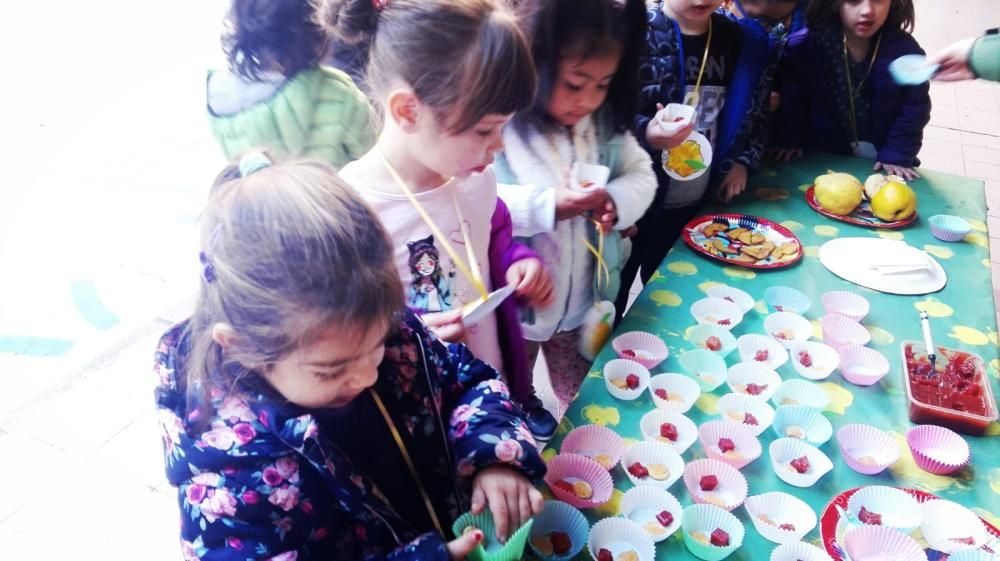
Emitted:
<point x="986" y="262"/>
<point x="992" y="429"/>
<point x="995" y="367"/>
<point x="939" y="251"/>
<point x="604" y="416"/>
<point x="840" y="398"/>
<point x="771" y="194"/>
<point x="665" y="298"/>
<point x="817" y="329"/>
<point x="969" y="335"/>
<point x="811" y="251"/>
<point x="793" y="225"/>
<point x="826" y="231"/>
<point x="629" y="442"/>
<point x="708" y="404"/>
<point x="709" y="285"/>
<point x="761" y="307"/>
<point x="978" y="239"/>
<point x="682" y="268"/>
<point x="934" y="308"/>
<point x="805" y="187"/>
<point x="565" y="425"/>
<point x="613" y="507"/>
<point x="906" y="469"/>
<point x="977" y="224"/>
<point x="657" y="276"/>
<point x="994" y="478"/>
<point x="548" y="454"/>
<point x="890" y="235"/>
<point x="987" y="516"/>
<point x="738" y="273"/>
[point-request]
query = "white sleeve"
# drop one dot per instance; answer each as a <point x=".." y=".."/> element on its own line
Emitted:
<point x="532" y="208"/>
<point x="633" y="190"/>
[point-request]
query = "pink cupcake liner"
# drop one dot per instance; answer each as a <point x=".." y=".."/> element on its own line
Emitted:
<point x="937" y="450"/>
<point x="862" y="366"/>
<point x="780" y="517"/>
<point x="642" y="347"/>
<point x="620" y="368"/>
<point x="575" y="466"/>
<point x="596" y="442"/>
<point x="747" y="446"/>
<point x="847" y="304"/>
<point x="881" y="542"/>
<point x="839" y="331"/>
<point x="731" y="490"/>
<point x="735" y="407"/>
<point x="866" y="449"/>
<point x="753" y="346"/>
<point x="681" y="391"/>
<point x="787" y="328"/>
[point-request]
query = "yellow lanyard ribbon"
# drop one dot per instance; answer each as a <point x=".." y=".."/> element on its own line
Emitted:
<point x="409" y="461"/>
<point x="695" y="96"/>
<point x="851" y="93"/>
<point x="470" y="270"/>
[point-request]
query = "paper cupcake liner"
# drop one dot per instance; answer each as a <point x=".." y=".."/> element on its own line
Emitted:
<point x="619" y="369"/>
<point x="787" y="299"/>
<point x="667" y="119"/>
<point x="650" y="454"/>
<point x="618" y="535"/>
<point x="800" y="392"/>
<point x="948" y="228"/>
<point x="780" y="517"/>
<point x="642" y="504"/>
<point x="705" y="519"/>
<point x="821" y="358"/>
<point x="747" y="446"/>
<point x="937" y="450"/>
<point x="716" y="311"/>
<point x="972" y="555"/>
<point x="862" y="366"/>
<point x="739" y="376"/>
<point x="642" y="347"/>
<point x="863" y="542"/>
<point x="839" y="331"/>
<point x="687" y="431"/>
<point x="847" y="304"/>
<point x="787" y="328"/>
<point x="575" y="466"/>
<point x="866" y="449"/>
<point x="799" y="421"/>
<point x="896" y="508"/>
<point x="734" y="407"/>
<point x="682" y="391"/>
<point x="784" y="450"/>
<point x="699" y="335"/>
<point x="732" y="486"/>
<point x="798" y="551"/>
<point x="491" y="549"/>
<point x="557" y="516"/>
<point x="704" y="367"/>
<point x="734" y="295"/>
<point x="947" y="526"/>
<point x="596" y="174"/>
<point x="596" y="442"/>
<point x="752" y="344"/>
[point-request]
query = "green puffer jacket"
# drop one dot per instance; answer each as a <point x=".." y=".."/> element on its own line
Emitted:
<point x="318" y="113"/>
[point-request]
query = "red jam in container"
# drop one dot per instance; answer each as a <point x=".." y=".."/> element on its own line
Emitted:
<point x="956" y="394"/>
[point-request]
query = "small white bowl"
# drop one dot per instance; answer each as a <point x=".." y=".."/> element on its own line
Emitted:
<point x="947" y="526"/>
<point x="681" y="392"/>
<point x="765" y="381"/>
<point x="619" y="535"/>
<point x="799" y="421"/>
<point x="642" y="505"/>
<point x="801" y="392"/>
<point x="763" y="349"/>
<point x="846" y="303"/>
<point x="787" y="328"/>
<point x="652" y="453"/>
<point x="705" y="367"/>
<point x="780" y="517"/>
<point x="784" y="450"/>
<point x="822" y="360"/>
<point x="620" y="369"/>
<point x="687" y="431"/>
<point x="700" y="334"/>
<point x="896" y="508"/>
<point x="734" y="408"/>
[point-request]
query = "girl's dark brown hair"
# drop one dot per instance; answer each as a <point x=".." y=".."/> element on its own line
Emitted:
<point x="901" y="13"/>
<point x="464" y="58"/>
<point x="271" y="36"/>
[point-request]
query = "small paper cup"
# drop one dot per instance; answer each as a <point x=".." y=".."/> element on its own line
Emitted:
<point x="557" y="516"/>
<point x="705" y="367"/>
<point x="948" y="228"/>
<point x="734" y="295"/>
<point x="491" y="549"/>
<point x="847" y="304"/>
<point x="862" y="366"/>
<point x="619" y="535"/>
<point x="674" y="117"/>
<point x="787" y="299"/>
<point x="866" y="449"/>
<point x="642" y="347"/>
<point x="642" y="504"/>
<point x="881" y="542"/>
<point x="574" y="467"/>
<point x="651" y="453"/>
<point x="596" y="442"/>
<point x="701" y="336"/>
<point x="784" y="450"/>
<point x="619" y="369"/>
<point x="822" y="360"/>
<point x="839" y="331"/>
<point x="937" y="450"/>
<point x="896" y="508"/>
<point x="950" y="527"/>
<point x="716" y="311"/>
<point x="746" y="410"/>
<point x="747" y="446"/>
<point x="798" y="551"/>
<point x="804" y="423"/>
<point x="754" y="347"/>
<point x="687" y="432"/>
<point x="702" y="520"/>
<point x="750" y="377"/>
<point x="780" y="517"/>
<point x="587" y="177"/>
<point x="731" y="490"/>
<point x="681" y="392"/>
<point x="787" y="328"/>
<point x="800" y="392"/>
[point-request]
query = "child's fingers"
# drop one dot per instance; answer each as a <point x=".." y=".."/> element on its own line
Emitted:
<point x="523" y="507"/>
<point x="501" y="515"/>
<point x="478" y="500"/>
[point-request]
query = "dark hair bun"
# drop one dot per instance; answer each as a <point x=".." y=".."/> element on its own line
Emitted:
<point x="352" y="21"/>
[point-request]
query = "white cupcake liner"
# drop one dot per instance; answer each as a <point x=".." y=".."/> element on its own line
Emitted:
<point x="937" y="450"/>
<point x="619" y="535"/>
<point x="949" y="228"/>
<point x="787" y="299"/>
<point x="699" y="334"/>
<point x="575" y="466"/>
<point x="947" y="525"/>
<point x="716" y="311"/>
<point x="596" y="442"/>
<point x="823" y="359"/>
<point x="705" y="519"/>
<point x="596" y="174"/>
<point x="881" y="542"/>
<point x="790" y="420"/>
<point x="862" y="366"/>
<point x="651" y="453"/>
<point x="747" y="449"/>
<point x="561" y="517"/>
<point x="866" y="449"/>
<point x="705" y="367"/>
<point x="784" y="450"/>
<point x="733" y="408"/>
<point x="731" y="490"/>
<point x="897" y="508"/>
<point x="682" y="391"/>
<point x="687" y="431"/>
<point x="620" y="368"/>
<point x="800" y="392"/>
<point x="787" y="328"/>
<point x="667" y="118"/>
<point x="645" y="348"/>
<point x="972" y="555"/>
<point x="751" y="344"/>
<point x="642" y="504"/>
<point x="798" y="551"/>
<point x="839" y="331"/>
<point x="847" y="304"/>
<point x="770" y="511"/>
<point x="745" y="373"/>
<point x="732" y="294"/>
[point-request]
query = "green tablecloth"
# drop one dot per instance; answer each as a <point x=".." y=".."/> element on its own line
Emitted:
<point x="963" y="316"/>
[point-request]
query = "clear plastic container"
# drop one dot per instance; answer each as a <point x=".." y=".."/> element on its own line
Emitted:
<point x="957" y="395"/>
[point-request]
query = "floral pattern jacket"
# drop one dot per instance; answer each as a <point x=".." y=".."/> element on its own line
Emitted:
<point x="257" y="479"/>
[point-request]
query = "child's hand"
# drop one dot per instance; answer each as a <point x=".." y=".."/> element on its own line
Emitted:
<point x="572" y="202"/>
<point x="734" y="183"/>
<point x="463" y="545"/>
<point x="784" y="154"/>
<point x="906" y="173"/>
<point x="447" y="326"/>
<point x="511" y="498"/>
<point x="660" y="139"/>
<point x="532" y="282"/>
<point x="630" y="232"/>
<point x="607" y="216"/>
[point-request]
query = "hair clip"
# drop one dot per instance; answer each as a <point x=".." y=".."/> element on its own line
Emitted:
<point x="380" y="4"/>
<point x="207" y="270"/>
<point x="252" y="162"/>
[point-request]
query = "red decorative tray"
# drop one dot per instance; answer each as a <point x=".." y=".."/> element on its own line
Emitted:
<point x="743" y="240"/>
<point x="861" y="216"/>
